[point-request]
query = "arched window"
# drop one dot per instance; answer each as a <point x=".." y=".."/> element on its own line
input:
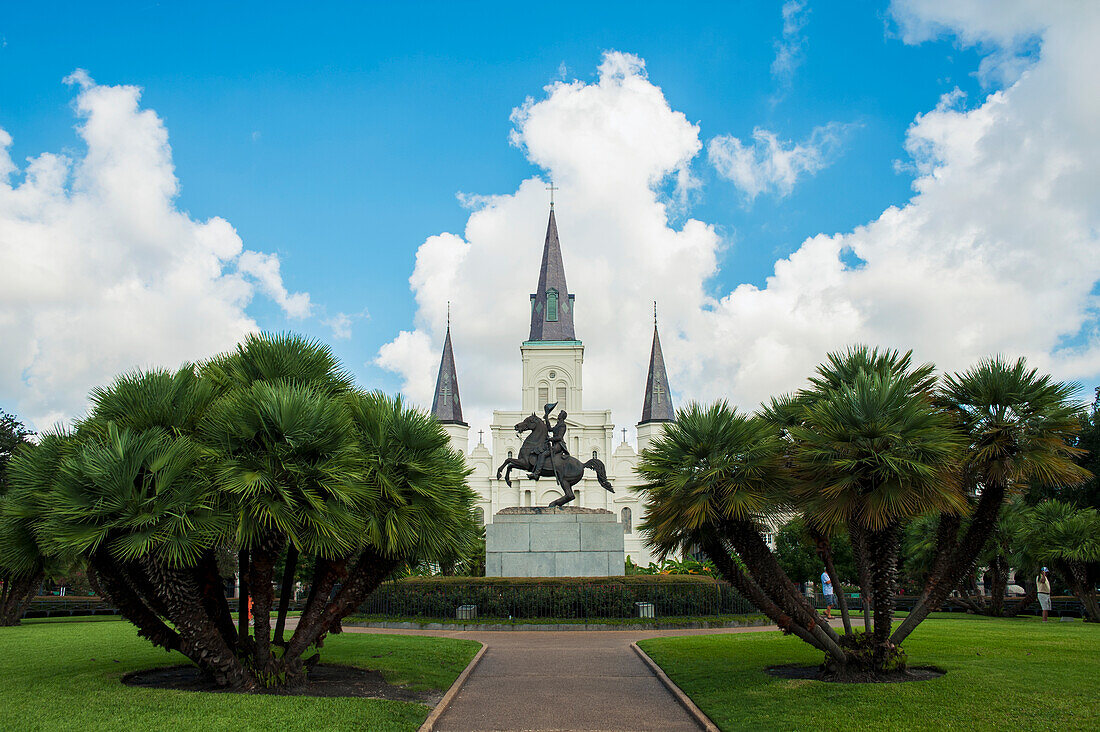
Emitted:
<point x="509" y="454"/>
<point x="561" y="392"/>
<point x="595" y="454"/>
<point x="627" y="528"/>
<point x="528" y="499"/>
<point x="552" y="305"/>
<point x="544" y="395"/>
<point x="479" y="514"/>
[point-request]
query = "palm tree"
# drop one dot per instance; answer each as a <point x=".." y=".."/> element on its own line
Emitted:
<point x="870" y="452"/>
<point x="710" y="479"/>
<point x="1068" y="538"/>
<point x="1019" y="426"/>
<point x="268" y="449"/>
<point x="415" y="505"/>
<point x="23" y="563"/>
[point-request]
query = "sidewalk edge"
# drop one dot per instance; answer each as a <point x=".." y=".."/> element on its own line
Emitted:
<point x="683" y="699"/>
<point x="433" y="718"/>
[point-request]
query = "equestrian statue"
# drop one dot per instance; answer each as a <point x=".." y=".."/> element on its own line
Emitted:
<point x="544" y="454"/>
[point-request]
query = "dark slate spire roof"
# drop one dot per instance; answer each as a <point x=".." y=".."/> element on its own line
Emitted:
<point x="552" y="305"/>
<point x="447" y="406"/>
<point x="657" y="403"/>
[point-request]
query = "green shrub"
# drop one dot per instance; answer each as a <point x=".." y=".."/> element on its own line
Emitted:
<point x="566" y="597"/>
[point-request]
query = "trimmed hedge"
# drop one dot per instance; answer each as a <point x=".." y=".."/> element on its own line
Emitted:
<point x="564" y="597"/>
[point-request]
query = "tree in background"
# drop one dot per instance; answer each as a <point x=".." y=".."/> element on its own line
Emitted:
<point x="1021" y="428"/>
<point x="798" y="554"/>
<point x="18" y="581"/>
<point x="1004" y="551"/>
<point x="269" y="450"/>
<point x="1068" y="539"/>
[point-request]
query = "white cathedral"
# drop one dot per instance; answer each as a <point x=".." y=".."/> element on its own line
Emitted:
<point x="553" y="361"/>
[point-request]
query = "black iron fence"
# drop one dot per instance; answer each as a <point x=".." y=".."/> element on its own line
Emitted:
<point x="650" y="596"/>
<point x="1061" y="605"/>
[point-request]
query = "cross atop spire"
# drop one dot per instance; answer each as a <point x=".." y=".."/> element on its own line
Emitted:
<point x="447" y="405"/>
<point x="552" y="188"/>
<point x="551" y="304"/>
<point x="657" y="402"/>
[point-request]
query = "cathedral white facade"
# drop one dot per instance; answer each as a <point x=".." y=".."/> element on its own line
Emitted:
<point x="553" y="367"/>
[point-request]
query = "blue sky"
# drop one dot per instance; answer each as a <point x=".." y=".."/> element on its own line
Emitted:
<point x="337" y="137"/>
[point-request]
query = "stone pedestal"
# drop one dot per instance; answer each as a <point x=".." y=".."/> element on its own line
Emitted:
<point x="554" y="542"/>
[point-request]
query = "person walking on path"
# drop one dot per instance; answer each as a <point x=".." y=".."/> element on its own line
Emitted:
<point x="830" y="598"/>
<point x="1042" y="586"/>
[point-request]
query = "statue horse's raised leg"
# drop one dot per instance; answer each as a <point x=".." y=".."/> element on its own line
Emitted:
<point x="506" y="467"/>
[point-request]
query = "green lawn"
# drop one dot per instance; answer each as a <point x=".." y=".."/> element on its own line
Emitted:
<point x="1001" y="674"/>
<point x="65" y="675"/>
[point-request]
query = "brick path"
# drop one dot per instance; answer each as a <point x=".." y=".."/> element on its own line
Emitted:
<point x="563" y="680"/>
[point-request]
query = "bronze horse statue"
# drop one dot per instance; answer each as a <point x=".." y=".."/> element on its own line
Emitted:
<point x="567" y="469"/>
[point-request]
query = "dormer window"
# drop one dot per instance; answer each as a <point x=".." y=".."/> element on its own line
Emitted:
<point x="552" y="305"/>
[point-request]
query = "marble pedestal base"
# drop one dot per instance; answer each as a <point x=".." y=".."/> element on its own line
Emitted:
<point x="554" y="542"/>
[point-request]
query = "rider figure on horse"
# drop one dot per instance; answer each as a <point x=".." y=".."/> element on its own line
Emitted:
<point x="555" y="443"/>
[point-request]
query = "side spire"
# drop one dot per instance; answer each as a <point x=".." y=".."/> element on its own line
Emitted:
<point x="447" y="406"/>
<point x="657" y="402"/>
<point x="551" y="304"/>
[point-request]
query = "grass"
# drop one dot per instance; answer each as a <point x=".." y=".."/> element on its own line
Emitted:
<point x="1001" y="674"/>
<point x="63" y="674"/>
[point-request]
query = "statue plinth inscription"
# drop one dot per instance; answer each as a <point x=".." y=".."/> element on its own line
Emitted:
<point x="554" y="542"/>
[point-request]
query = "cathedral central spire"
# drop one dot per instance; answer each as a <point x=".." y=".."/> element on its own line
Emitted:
<point x="551" y="304"/>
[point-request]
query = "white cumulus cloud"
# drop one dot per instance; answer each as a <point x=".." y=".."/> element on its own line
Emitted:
<point x="100" y="272"/>
<point x="769" y="164"/>
<point x="995" y="252"/>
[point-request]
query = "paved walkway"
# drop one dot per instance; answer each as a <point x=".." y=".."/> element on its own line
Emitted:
<point x="571" y="680"/>
<point x="563" y="680"/>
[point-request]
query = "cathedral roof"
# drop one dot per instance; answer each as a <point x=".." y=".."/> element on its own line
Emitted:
<point x="657" y="403"/>
<point x="447" y="406"/>
<point x="551" y="304"/>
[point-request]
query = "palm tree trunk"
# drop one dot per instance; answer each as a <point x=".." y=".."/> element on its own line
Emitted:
<point x="998" y="572"/>
<point x="860" y="554"/>
<point x="18" y="594"/>
<point x="242" y="596"/>
<point x="1076" y="576"/>
<point x="213" y="597"/>
<point x="1031" y="593"/>
<point x="765" y="569"/>
<point x="369" y="571"/>
<point x="961" y="560"/>
<point x="261" y="574"/>
<point x="884" y="545"/>
<point x="766" y="572"/>
<point x="325" y="576"/>
<point x="752" y="592"/>
<point x="114" y="585"/>
<point x="199" y="637"/>
<point x="289" y="570"/>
